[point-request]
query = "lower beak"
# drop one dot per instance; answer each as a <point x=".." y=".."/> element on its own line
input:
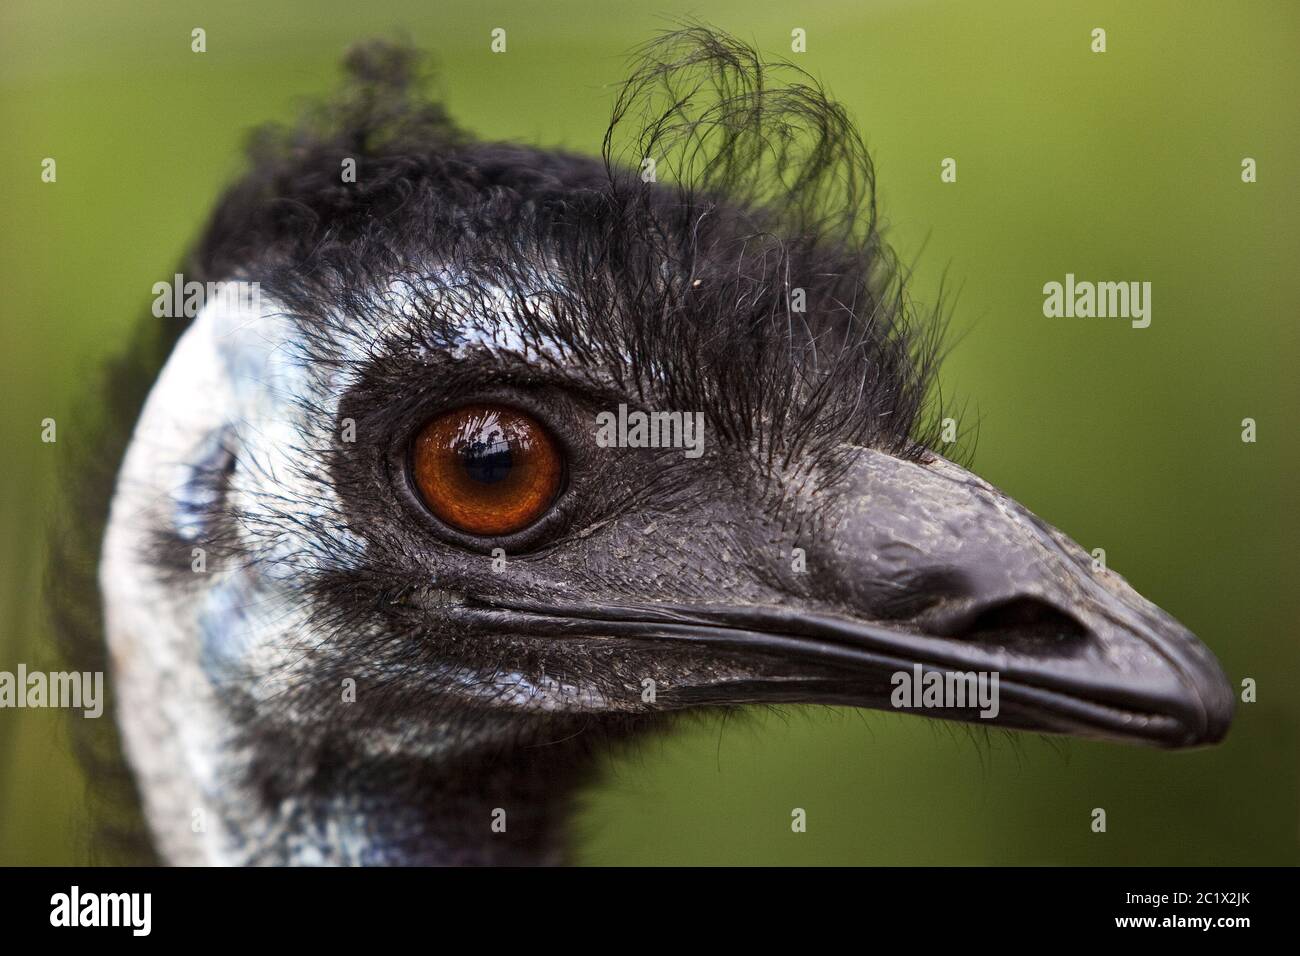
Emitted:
<point x="933" y="593"/>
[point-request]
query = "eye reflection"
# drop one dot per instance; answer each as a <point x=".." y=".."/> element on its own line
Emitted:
<point x="487" y="457"/>
<point x="486" y="469"/>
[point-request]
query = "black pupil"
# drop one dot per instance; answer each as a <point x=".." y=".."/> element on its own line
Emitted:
<point x="487" y="461"/>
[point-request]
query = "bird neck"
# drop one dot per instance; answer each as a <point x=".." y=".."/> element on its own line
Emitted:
<point x="482" y="805"/>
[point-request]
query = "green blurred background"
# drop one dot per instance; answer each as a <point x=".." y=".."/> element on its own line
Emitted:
<point x="1123" y="165"/>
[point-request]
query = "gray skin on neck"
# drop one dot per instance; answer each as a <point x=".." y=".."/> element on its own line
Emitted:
<point x="310" y="668"/>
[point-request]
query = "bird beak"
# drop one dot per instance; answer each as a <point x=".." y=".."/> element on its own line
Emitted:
<point x="928" y="584"/>
<point x="933" y="573"/>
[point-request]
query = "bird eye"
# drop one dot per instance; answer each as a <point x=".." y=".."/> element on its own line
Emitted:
<point x="486" y="469"/>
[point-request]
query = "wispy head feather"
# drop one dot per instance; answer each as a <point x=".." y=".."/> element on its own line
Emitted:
<point x="746" y="278"/>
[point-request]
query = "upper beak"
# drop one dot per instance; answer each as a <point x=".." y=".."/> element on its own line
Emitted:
<point x="925" y="568"/>
<point x="928" y="565"/>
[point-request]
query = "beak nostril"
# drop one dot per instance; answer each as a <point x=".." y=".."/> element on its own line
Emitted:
<point x="1024" y="624"/>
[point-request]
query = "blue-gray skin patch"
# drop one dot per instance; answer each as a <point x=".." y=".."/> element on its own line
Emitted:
<point x="225" y="632"/>
<point x="195" y="500"/>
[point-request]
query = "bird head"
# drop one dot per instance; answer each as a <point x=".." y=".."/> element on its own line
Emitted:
<point x="512" y="442"/>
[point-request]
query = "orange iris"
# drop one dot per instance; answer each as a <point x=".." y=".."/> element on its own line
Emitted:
<point x="486" y="469"/>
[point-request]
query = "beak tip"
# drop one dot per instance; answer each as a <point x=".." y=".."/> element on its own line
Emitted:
<point x="1216" y="706"/>
<point x="1205" y="703"/>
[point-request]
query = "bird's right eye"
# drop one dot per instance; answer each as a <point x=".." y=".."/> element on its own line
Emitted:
<point x="487" y="470"/>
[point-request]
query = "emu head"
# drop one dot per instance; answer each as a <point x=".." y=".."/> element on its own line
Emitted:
<point x="371" y="571"/>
